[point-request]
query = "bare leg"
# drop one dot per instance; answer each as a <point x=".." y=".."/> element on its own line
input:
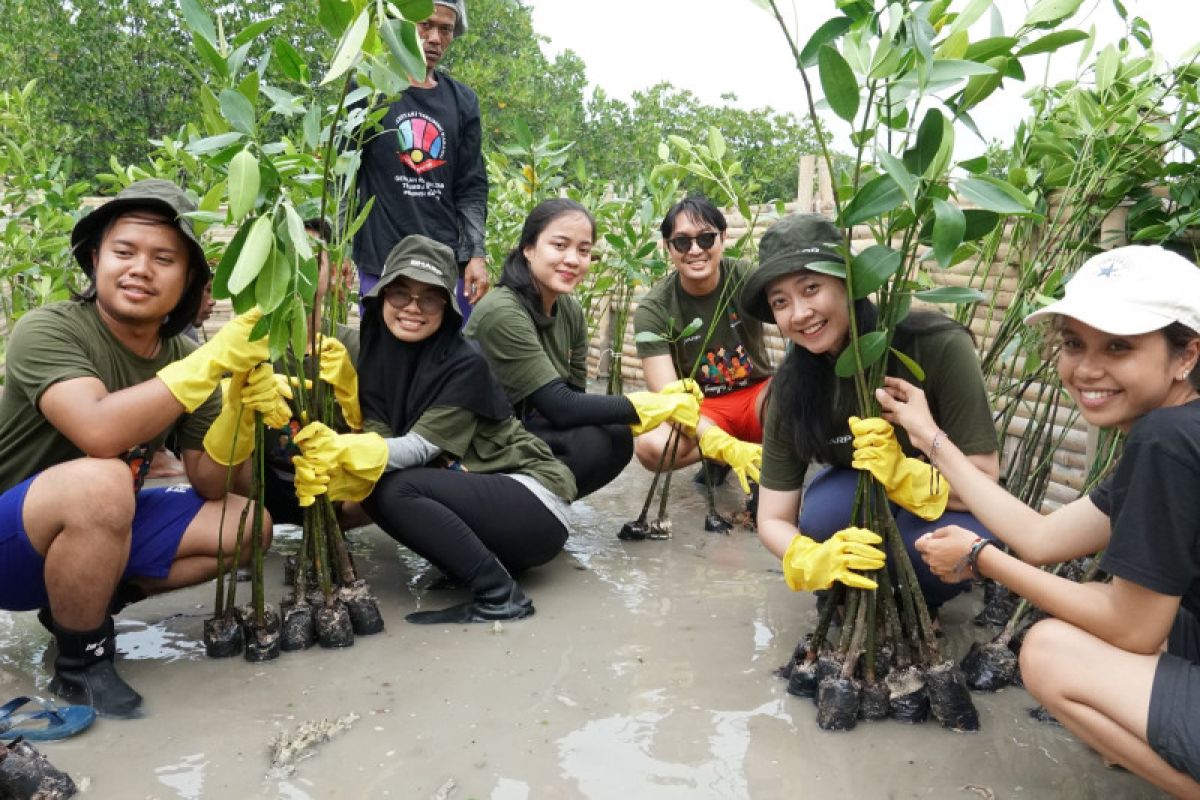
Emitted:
<point x="649" y="447"/>
<point x="1101" y="694"/>
<point x="196" y="558"/>
<point x="77" y="516"/>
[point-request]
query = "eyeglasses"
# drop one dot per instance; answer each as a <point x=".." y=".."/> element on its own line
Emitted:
<point x="683" y="244"/>
<point x="426" y="303"/>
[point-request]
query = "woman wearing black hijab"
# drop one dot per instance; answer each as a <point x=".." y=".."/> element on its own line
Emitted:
<point x="456" y="478"/>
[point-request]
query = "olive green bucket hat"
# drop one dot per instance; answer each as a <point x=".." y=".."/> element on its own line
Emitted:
<point x="788" y="247"/>
<point x="421" y="259"/>
<point x="163" y="197"/>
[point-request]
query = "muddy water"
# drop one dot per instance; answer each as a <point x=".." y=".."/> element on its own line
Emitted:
<point x="646" y="673"/>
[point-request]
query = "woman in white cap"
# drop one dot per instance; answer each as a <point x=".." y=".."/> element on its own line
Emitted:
<point x="1129" y="339"/>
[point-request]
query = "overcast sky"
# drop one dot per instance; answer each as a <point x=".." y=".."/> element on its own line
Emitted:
<point x="717" y="46"/>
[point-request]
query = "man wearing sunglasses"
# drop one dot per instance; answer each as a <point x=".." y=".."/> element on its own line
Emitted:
<point x="725" y="355"/>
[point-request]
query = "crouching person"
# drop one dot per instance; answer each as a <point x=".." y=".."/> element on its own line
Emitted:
<point x="94" y="385"/>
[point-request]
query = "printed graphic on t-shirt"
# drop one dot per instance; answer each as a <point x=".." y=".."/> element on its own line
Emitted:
<point x="724" y="370"/>
<point x="422" y="142"/>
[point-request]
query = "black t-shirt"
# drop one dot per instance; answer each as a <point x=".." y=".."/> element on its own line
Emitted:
<point x="424" y="167"/>
<point x="1153" y="504"/>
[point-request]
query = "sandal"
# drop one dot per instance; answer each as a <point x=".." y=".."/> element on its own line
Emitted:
<point x="52" y="721"/>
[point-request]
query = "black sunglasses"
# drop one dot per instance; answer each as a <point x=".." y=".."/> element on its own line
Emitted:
<point x="683" y="244"/>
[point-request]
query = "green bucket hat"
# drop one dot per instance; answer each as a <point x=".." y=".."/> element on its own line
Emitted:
<point x="164" y="197"/>
<point x="788" y="247"/>
<point x="421" y="259"/>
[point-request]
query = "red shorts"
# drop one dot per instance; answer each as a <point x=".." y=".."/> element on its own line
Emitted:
<point x="734" y="413"/>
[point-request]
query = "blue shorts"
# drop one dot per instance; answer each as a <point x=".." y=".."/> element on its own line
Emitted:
<point x="160" y="518"/>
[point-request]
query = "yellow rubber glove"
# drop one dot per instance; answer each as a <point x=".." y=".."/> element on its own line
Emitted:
<point x="192" y="378"/>
<point x="230" y="439"/>
<point x="910" y="482"/>
<point x="655" y="408"/>
<point x="744" y="457"/>
<point x="685" y="386"/>
<point x="338" y="372"/>
<point x="345" y="465"/>
<point x="809" y="566"/>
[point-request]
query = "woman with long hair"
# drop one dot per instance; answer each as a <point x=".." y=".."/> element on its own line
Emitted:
<point x="809" y="409"/>
<point x="1119" y="662"/>
<point x="533" y="332"/>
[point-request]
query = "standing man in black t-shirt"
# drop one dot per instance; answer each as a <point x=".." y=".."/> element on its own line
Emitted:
<point x="424" y="167"/>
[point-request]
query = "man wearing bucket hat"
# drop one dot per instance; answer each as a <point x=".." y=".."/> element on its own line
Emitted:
<point x="424" y="168"/>
<point x="446" y="469"/>
<point x="93" y="387"/>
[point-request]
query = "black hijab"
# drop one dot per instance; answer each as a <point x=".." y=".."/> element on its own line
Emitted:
<point x="398" y="381"/>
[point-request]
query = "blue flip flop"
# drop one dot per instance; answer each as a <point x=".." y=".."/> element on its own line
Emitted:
<point x="52" y="721"/>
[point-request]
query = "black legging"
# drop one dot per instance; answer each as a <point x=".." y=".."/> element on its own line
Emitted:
<point x="457" y="520"/>
<point x="595" y="454"/>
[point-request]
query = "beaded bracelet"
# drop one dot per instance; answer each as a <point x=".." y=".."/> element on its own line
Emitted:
<point x="973" y="555"/>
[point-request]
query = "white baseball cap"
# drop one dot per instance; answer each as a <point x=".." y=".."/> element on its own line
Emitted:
<point x="1131" y="290"/>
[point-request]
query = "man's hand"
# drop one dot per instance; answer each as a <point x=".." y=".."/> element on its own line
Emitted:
<point x="475" y="279"/>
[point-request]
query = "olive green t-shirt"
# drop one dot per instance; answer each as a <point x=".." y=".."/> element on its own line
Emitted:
<point x="522" y="354"/>
<point x="733" y="358"/>
<point x="489" y="446"/>
<point x="953" y="385"/>
<point x="68" y="340"/>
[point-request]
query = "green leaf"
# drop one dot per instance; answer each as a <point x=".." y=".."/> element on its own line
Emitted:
<point x="254" y="255"/>
<point x="271" y="285"/>
<point x="900" y="174"/>
<point x="198" y="21"/>
<point x="348" y="48"/>
<point x="312" y="127"/>
<point x="334" y="16"/>
<point x="251" y="31"/>
<point x="829" y="31"/>
<point x="1108" y="62"/>
<point x="976" y="165"/>
<point x="716" y="143"/>
<point x="212" y="144"/>
<point x="877" y="197"/>
<point x="948" y="70"/>
<point x="691" y="328"/>
<point x="647" y="337"/>
<point x="297" y="233"/>
<point x="835" y="268"/>
<point x="872" y="267"/>
<point x="929" y="140"/>
<point x="243" y="184"/>
<point x="237" y="110"/>
<point x="414" y="10"/>
<point x="968" y="16"/>
<point x="306" y="281"/>
<point x="910" y="365"/>
<point x="214" y="59"/>
<point x="838" y="83"/>
<point x="979" y="87"/>
<point x="280" y="331"/>
<point x="951" y="295"/>
<point x="283" y="102"/>
<point x="402" y="42"/>
<point x="1046" y="13"/>
<point x="872" y="346"/>
<point x="233" y="250"/>
<point x="1051" y="42"/>
<point x="290" y="62"/>
<point x="299" y="329"/>
<point x="353" y="227"/>
<point x="992" y="194"/>
<point x="949" y="225"/>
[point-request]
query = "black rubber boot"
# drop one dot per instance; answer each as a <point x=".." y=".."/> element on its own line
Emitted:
<point x="84" y="672"/>
<point x="497" y="596"/>
<point x="126" y="595"/>
<point x="717" y="472"/>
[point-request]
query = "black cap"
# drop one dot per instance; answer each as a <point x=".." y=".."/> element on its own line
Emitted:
<point x="788" y="246"/>
<point x="151" y="194"/>
<point x="424" y="260"/>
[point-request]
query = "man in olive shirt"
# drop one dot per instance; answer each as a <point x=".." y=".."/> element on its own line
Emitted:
<point x="733" y="369"/>
<point x="93" y="387"/>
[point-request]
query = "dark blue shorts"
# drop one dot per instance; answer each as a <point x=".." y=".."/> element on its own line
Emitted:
<point x="159" y="521"/>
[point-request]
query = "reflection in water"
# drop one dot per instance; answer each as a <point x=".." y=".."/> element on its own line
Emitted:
<point x="185" y="777"/>
<point x="763" y="636"/>
<point x="509" y="789"/>
<point x="140" y="641"/>
<point x="612" y="757"/>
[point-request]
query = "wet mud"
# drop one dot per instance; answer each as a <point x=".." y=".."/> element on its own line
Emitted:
<point x="647" y="672"/>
